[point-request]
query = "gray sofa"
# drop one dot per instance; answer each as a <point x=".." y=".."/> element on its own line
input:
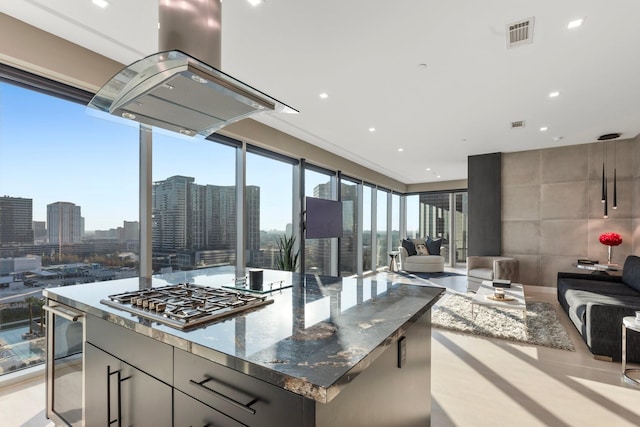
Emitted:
<point x="596" y="304"/>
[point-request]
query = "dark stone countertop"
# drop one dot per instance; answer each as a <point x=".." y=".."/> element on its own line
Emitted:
<point x="315" y="338"/>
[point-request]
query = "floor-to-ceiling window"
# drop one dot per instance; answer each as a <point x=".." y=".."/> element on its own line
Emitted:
<point x="318" y="252"/>
<point x="270" y="180"/>
<point x="395" y="221"/>
<point x="461" y="213"/>
<point x="413" y="225"/>
<point x="194" y="204"/>
<point x="348" y="261"/>
<point x="381" y="228"/>
<point x="443" y="216"/>
<point x="367" y="212"/>
<point x="434" y="219"/>
<point x="68" y="208"/>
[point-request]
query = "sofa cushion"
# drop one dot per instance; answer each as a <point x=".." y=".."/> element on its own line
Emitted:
<point x="596" y="287"/>
<point x="425" y="259"/>
<point x="631" y="272"/>
<point x="410" y="247"/>
<point x="433" y="246"/>
<point x="579" y="299"/>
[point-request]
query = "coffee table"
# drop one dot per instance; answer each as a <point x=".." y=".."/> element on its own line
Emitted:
<point x="514" y="298"/>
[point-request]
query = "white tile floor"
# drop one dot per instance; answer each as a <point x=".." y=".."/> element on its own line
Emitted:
<point x="475" y="382"/>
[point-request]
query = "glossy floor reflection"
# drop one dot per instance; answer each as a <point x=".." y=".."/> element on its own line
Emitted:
<point x="475" y="382"/>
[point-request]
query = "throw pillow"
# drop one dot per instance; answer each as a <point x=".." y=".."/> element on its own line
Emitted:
<point x="422" y="249"/>
<point x="410" y="247"/>
<point x="433" y="246"/>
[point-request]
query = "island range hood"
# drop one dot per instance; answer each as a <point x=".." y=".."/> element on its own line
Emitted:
<point x="176" y="91"/>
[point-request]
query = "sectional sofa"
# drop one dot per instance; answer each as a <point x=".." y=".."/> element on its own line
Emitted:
<point x="596" y="304"/>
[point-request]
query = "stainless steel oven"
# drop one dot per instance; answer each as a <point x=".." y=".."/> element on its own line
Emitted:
<point x="65" y="365"/>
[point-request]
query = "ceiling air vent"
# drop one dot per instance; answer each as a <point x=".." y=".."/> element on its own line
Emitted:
<point x="520" y="33"/>
<point x="518" y="124"/>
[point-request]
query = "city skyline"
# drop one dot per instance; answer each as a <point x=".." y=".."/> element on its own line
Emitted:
<point x="68" y="155"/>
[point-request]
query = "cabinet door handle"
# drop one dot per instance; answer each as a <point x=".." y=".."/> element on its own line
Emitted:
<point x="227" y="399"/>
<point x="67" y="313"/>
<point x="118" y="373"/>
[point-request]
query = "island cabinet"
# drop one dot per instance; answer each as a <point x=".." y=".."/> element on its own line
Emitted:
<point x="359" y="359"/>
<point x="132" y="379"/>
<point x="127" y="377"/>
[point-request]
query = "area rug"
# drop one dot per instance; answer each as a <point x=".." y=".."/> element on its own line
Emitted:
<point x="428" y="275"/>
<point x="542" y="325"/>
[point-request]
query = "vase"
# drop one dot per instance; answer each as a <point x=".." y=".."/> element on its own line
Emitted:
<point x="609" y="254"/>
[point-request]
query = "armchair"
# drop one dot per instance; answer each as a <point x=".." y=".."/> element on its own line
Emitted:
<point x="481" y="268"/>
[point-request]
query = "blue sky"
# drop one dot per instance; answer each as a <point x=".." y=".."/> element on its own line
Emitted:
<point x="52" y="150"/>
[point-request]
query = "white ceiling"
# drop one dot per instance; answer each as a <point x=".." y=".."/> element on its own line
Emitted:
<point x="366" y="55"/>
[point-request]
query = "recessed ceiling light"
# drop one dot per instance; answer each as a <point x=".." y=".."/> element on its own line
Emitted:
<point x="323" y="95"/>
<point x="100" y="3"/>
<point x="575" y="23"/>
<point x="557" y="138"/>
<point x="401" y="149"/>
<point x="372" y="129"/>
<point x="554" y="94"/>
<point x="428" y="169"/>
<point x="437" y="176"/>
<point x="543" y="129"/>
<point x="254" y="2"/>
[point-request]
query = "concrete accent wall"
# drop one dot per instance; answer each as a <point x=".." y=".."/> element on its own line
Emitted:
<point x="551" y="209"/>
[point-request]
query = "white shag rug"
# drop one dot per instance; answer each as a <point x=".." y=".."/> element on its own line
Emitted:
<point x="542" y="325"/>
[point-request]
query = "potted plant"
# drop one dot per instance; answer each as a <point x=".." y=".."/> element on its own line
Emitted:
<point x="287" y="259"/>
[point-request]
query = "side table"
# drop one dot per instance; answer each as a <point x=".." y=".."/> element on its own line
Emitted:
<point x="393" y="260"/>
<point x="633" y="324"/>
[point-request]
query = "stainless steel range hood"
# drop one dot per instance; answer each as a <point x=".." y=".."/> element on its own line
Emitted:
<point x="175" y="91"/>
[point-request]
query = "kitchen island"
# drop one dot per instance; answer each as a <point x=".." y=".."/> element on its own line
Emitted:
<point x="325" y="351"/>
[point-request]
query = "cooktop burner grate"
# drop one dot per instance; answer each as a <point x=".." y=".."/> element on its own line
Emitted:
<point x="185" y="305"/>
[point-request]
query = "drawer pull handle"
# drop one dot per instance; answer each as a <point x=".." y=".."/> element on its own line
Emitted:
<point x="70" y="315"/>
<point x="227" y="399"/>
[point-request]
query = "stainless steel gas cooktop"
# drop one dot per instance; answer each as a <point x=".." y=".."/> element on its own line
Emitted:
<point x="185" y="305"/>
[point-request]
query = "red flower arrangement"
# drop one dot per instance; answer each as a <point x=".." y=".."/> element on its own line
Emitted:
<point x="610" y="239"/>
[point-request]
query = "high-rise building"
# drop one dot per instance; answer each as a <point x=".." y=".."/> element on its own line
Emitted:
<point x="16" y="220"/>
<point x="172" y="211"/>
<point x="192" y="217"/>
<point x="64" y="223"/>
<point x="40" y="232"/>
<point x="252" y="214"/>
<point x="131" y="231"/>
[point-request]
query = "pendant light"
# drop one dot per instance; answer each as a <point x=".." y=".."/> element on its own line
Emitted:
<point x="606" y="212"/>
<point x="604" y="197"/>
<point x="604" y="184"/>
<point x="615" y="181"/>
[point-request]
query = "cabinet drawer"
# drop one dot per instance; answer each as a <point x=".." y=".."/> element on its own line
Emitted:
<point x="146" y="354"/>
<point x="251" y="401"/>
<point x="190" y="412"/>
